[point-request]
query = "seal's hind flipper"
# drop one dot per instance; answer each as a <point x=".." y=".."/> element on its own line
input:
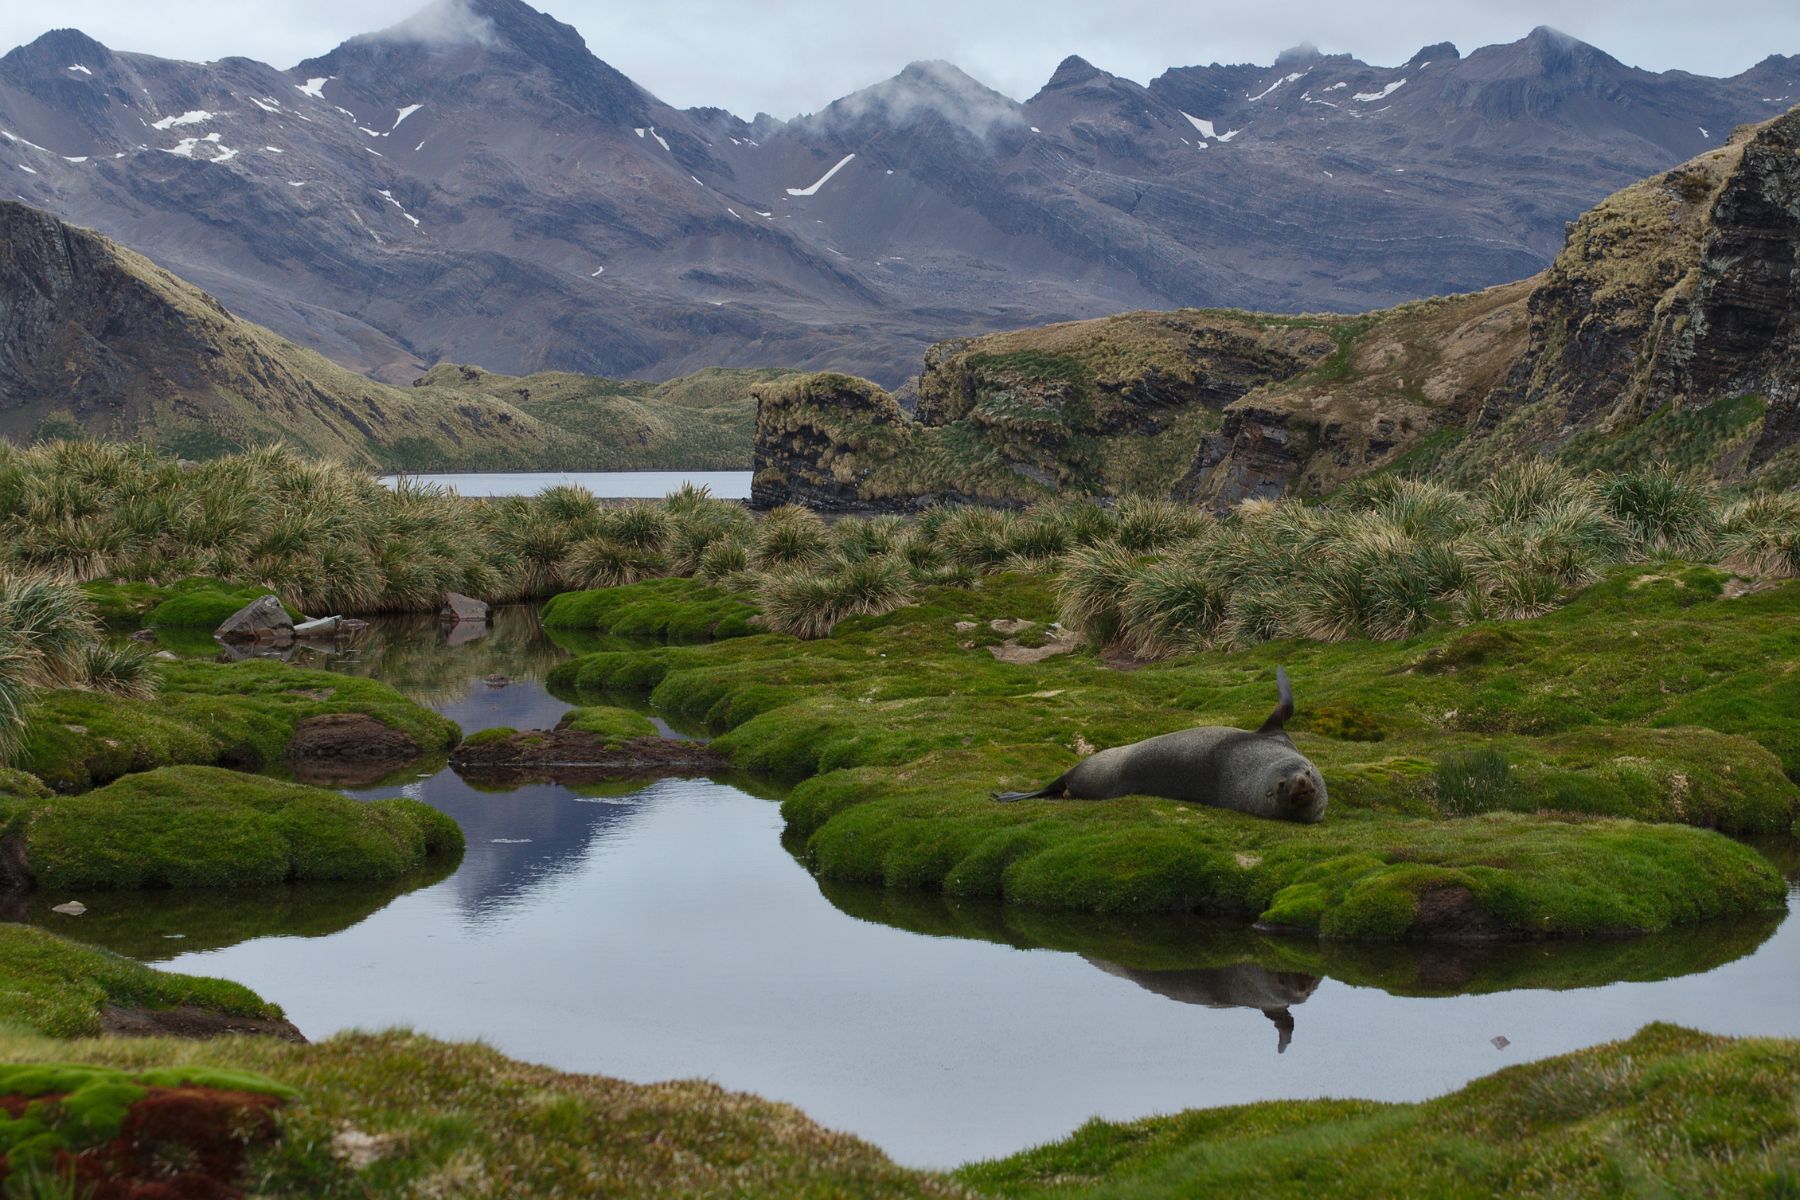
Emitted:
<point x="1054" y="788"/>
<point x="1278" y="719"/>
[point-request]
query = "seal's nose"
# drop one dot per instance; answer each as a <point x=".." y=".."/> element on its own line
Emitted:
<point x="1299" y="793"/>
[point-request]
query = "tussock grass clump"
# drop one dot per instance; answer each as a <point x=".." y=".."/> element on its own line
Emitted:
<point x="809" y="604"/>
<point x="1665" y="512"/>
<point x="1091" y="589"/>
<point x="788" y="538"/>
<point x="1477" y="781"/>
<point x="49" y="639"/>
<point x="1761" y="535"/>
<point x="1384" y="558"/>
<point x="1174" y="607"/>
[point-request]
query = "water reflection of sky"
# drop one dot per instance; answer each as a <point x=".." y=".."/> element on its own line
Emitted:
<point x="661" y="931"/>
<point x="670" y="936"/>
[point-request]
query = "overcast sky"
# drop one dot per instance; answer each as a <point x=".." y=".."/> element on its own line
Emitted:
<point x="792" y="56"/>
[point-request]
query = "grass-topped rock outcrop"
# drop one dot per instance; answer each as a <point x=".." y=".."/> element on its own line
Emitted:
<point x="1531" y="778"/>
<point x="1111" y="406"/>
<point x="187" y="827"/>
<point x="245" y="714"/>
<point x="56" y="988"/>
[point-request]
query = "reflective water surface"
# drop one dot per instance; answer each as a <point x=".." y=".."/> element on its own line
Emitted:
<point x="662" y="931"/>
<point x="614" y="485"/>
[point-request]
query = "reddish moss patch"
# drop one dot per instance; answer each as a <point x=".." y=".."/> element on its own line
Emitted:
<point x="175" y="1143"/>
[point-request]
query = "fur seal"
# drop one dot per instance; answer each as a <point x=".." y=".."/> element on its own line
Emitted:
<point x="1257" y="772"/>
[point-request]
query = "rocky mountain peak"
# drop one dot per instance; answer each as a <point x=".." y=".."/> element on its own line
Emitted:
<point x="55" y="53"/>
<point x="1553" y="53"/>
<point x="925" y="92"/>
<point x="449" y="45"/>
<point x="1072" y="72"/>
<point x="1437" y="52"/>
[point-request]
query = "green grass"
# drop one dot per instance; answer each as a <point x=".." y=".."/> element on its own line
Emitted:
<point x="60" y="989"/>
<point x="199" y="603"/>
<point x="896" y="734"/>
<point x="668" y="610"/>
<point x="1691" y="439"/>
<point x="202" y="827"/>
<point x="238" y="714"/>
<point x="461" y="1120"/>
<point x="1667" y="1112"/>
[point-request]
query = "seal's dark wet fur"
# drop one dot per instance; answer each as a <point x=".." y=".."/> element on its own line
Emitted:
<point x="1257" y="772"/>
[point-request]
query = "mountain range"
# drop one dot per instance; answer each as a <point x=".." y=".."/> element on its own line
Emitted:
<point x="1666" y="331"/>
<point x="475" y="185"/>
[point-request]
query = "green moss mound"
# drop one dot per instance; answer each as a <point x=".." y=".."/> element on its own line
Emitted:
<point x="238" y="714"/>
<point x="613" y="724"/>
<point x="1667" y="1112"/>
<point x="669" y="610"/>
<point x="198" y="603"/>
<point x="61" y="989"/>
<point x="898" y="727"/>
<point x="187" y="827"/>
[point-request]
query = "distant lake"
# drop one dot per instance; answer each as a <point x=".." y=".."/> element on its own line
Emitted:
<point x="608" y="485"/>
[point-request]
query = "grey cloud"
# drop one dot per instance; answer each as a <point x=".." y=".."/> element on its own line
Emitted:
<point x="938" y="88"/>
<point x="445" y="23"/>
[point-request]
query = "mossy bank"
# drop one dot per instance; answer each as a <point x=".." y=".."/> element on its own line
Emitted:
<point x="1592" y="761"/>
<point x="242" y="714"/>
<point x="206" y="827"/>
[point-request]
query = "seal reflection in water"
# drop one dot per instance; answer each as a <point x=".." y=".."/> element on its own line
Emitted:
<point x="1257" y="772"/>
<point x="1241" y="985"/>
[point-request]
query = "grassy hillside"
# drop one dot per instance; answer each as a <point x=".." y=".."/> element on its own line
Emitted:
<point x="699" y="422"/>
<point x="104" y="344"/>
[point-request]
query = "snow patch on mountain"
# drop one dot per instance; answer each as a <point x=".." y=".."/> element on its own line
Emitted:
<point x="406" y="112"/>
<point x="1383" y="94"/>
<point x="268" y="106"/>
<point x="1278" y="83"/>
<point x="385" y="194"/>
<point x="79" y="67"/>
<point x="314" y="87"/>
<point x="823" y="179"/>
<point x="198" y="116"/>
<point x="1206" y="128"/>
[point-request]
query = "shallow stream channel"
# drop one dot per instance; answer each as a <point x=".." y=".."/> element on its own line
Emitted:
<point x="659" y="931"/>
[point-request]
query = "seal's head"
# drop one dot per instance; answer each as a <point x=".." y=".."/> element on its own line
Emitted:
<point x="1298" y="793"/>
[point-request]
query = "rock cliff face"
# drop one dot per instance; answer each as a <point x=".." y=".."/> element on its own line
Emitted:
<point x="1671" y="298"/>
<point x="1743" y="329"/>
<point x="1107" y="406"/>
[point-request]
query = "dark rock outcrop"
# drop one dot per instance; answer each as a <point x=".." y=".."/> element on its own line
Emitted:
<point x="459" y="608"/>
<point x="1090" y="408"/>
<point x="347" y="750"/>
<point x="573" y="756"/>
<point x="262" y="620"/>
<point x="818" y="438"/>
